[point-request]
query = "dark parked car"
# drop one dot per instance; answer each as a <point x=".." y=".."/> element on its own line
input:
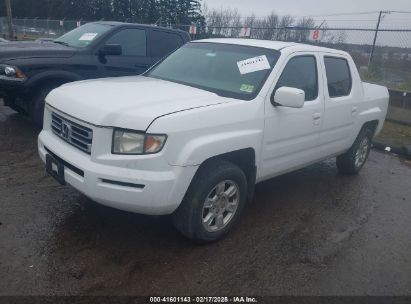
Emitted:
<point x="30" y="70"/>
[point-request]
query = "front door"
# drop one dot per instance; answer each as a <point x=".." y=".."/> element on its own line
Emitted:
<point x="291" y="136"/>
<point x="134" y="59"/>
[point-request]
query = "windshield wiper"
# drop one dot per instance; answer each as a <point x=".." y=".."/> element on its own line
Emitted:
<point x="61" y="42"/>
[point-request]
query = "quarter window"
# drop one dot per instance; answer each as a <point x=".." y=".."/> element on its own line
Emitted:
<point x="133" y="41"/>
<point x="338" y="76"/>
<point x="301" y="73"/>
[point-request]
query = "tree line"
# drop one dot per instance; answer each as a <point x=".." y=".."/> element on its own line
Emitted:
<point x="212" y="22"/>
<point x="228" y="22"/>
<point x="139" y="11"/>
<point x="231" y="22"/>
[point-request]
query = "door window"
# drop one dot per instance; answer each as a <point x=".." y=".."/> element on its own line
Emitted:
<point x="133" y="41"/>
<point x="163" y="43"/>
<point x="338" y="76"/>
<point x="301" y="73"/>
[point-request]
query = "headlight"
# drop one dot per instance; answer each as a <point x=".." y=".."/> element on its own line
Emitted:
<point x="11" y="73"/>
<point x="133" y="142"/>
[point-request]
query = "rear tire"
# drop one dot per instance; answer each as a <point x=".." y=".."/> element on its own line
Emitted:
<point x="213" y="202"/>
<point x="352" y="161"/>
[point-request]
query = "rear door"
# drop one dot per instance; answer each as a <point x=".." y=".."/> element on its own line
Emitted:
<point x="162" y="43"/>
<point x="291" y="136"/>
<point x="134" y="59"/>
<point x="340" y="104"/>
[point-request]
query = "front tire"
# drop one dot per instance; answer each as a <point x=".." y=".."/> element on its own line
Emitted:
<point x="352" y="161"/>
<point x="36" y="110"/>
<point x="213" y="202"/>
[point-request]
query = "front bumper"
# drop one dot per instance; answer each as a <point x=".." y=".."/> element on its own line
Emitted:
<point x="13" y="91"/>
<point x="108" y="180"/>
<point x="11" y="86"/>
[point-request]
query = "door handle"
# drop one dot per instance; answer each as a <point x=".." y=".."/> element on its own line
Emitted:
<point x="354" y="111"/>
<point x="317" y="118"/>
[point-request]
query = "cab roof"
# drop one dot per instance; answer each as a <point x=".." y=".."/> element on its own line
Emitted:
<point x="270" y="44"/>
<point x="125" y="24"/>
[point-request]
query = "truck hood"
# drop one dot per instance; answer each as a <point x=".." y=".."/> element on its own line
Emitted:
<point x="127" y="102"/>
<point x="30" y="49"/>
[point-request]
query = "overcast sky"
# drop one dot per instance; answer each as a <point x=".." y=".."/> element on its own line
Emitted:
<point x="309" y="7"/>
<point x="328" y="10"/>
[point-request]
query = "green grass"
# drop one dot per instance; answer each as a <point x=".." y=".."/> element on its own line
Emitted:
<point x="395" y="134"/>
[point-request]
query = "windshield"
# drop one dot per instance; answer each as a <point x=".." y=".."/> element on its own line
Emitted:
<point x="228" y="70"/>
<point x="84" y="35"/>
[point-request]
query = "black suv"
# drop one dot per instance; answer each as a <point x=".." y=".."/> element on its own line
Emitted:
<point x="30" y="70"/>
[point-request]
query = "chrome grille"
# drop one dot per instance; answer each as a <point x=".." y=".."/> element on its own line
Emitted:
<point x="79" y="136"/>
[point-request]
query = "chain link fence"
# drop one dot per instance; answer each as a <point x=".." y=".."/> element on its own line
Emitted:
<point x="29" y="29"/>
<point x="391" y="59"/>
<point x="390" y="65"/>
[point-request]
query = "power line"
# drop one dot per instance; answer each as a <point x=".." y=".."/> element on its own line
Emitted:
<point x="359" y="13"/>
<point x="373" y="19"/>
<point x="321" y="15"/>
<point x="330" y="15"/>
<point x="345" y="14"/>
<point x="401" y="12"/>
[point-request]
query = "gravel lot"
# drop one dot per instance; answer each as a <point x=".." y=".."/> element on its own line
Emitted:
<point x="309" y="232"/>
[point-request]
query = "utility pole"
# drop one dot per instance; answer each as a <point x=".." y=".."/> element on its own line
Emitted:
<point x="9" y="19"/>
<point x="375" y="38"/>
<point x="319" y="27"/>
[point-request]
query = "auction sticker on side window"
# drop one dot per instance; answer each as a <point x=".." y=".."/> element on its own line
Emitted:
<point x="253" y="64"/>
<point x="88" y="36"/>
<point x="247" y="88"/>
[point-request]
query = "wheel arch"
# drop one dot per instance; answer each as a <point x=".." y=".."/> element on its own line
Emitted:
<point x="52" y="77"/>
<point x="41" y="84"/>
<point x="245" y="159"/>
<point x="372" y="125"/>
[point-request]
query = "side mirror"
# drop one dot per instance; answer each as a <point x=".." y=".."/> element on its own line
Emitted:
<point x="289" y="97"/>
<point x="110" y="50"/>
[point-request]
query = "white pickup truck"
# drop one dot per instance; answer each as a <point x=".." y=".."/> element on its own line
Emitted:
<point x="193" y="135"/>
